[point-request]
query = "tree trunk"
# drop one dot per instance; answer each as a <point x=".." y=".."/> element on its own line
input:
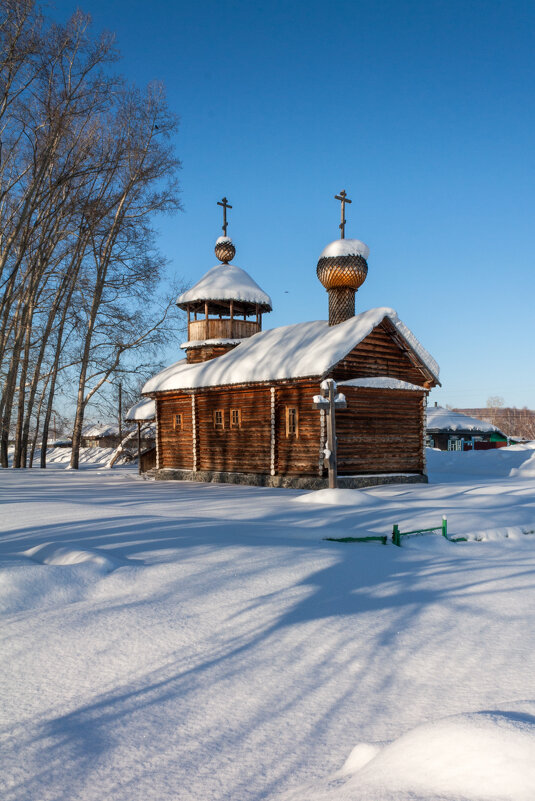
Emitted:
<point x="19" y="458"/>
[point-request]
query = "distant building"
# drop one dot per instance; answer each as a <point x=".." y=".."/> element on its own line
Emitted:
<point x="449" y="430"/>
<point x="101" y="435"/>
<point x="519" y="424"/>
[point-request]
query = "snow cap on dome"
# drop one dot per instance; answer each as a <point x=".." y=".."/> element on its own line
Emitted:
<point x="223" y="240"/>
<point x="345" y="247"/>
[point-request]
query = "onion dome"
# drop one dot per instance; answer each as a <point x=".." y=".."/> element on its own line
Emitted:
<point x="342" y="269"/>
<point x="224" y="249"/>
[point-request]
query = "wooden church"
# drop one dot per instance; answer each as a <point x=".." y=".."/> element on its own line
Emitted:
<point x="239" y="408"/>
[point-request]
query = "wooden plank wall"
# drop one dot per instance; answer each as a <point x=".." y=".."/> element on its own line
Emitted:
<point x="147" y="460"/>
<point x="242" y="450"/>
<point x="380" y="431"/>
<point x="204" y="354"/>
<point x="175" y="448"/>
<point x="298" y="455"/>
<point x="247" y="449"/>
<point x="378" y="355"/>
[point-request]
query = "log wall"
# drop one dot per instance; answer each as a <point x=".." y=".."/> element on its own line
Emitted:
<point x="297" y="455"/>
<point x="378" y="355"/>
<point x="175" y="448"/>
<point x="252" y="448"/>
<point x="381" y="431"/>
<point x="207" y="352"/>
<point x="242" y="450"/>
<point x="147" y="460"/>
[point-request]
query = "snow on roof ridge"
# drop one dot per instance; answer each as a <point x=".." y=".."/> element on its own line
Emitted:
<point x="300" y="350"/>
<point x="417" y="347"/>
<point x="226" y="282"/>
<point x="380" y="382"/>
<point x="199" y="343"/>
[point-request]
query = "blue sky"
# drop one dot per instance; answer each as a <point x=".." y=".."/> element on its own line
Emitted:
<point x="423" y="111"/>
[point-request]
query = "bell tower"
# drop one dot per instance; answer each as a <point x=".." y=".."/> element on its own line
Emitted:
<point x="224" y="307"/>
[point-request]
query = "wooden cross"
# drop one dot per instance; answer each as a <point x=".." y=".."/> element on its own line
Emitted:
<point x="226" y="206"/>
<point x="344" y="199"/>
<point x="328" y="402"/>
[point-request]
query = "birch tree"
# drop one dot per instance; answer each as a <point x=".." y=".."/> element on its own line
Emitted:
<point x="85" y="164"/>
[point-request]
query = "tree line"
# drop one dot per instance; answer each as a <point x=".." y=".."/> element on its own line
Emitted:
<point x="512" y="421"/>
<point x="86" y="162"/>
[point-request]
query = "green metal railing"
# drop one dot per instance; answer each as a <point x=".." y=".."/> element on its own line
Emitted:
<point x="397" y="535"/>
<point x="357" y="539"/>
<point x="443" y="528"/>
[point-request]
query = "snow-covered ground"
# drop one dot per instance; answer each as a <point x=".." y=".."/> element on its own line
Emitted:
<point x="60" y="457"/>
<point x="172" y="640"/>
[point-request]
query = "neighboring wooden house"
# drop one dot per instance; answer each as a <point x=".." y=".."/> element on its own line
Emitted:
<point x="239" y="407"/>
<point x="449" y="430"/>
<point x="517" y="424"/>
<point x="101" y="435"/>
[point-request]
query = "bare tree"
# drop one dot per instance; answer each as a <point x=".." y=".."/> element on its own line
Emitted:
<point x="89" y="162"/>
<point x="124" y="269"/>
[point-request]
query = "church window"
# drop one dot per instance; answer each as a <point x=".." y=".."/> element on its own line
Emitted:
<point x="292" y="422"/>
<point x="177" y="422"/>
<point x="235" y="418"/>
<point x="219" y="424"/>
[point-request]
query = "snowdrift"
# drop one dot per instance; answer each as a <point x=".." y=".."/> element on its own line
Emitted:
<point x="516" y="460"/>
<point x="60" y="457"/>
<point x="52" y="574"/>
<point x="480" y="755"/>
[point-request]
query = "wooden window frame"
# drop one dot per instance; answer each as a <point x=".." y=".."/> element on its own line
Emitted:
<point x="178" y="421"/>
<point x="237" y="424"/>
<point x="292" y="426"/>
<point x="219" y="426"/>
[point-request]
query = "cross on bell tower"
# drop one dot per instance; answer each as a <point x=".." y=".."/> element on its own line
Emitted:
<point x="226" y="205"/>
<point x="344" y="199"/>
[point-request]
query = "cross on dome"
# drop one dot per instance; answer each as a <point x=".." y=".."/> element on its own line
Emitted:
<point x="226" y="205"/>
<point x="344" y="199"/>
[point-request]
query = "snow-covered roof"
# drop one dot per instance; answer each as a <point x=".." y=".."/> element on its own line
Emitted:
<point x="226" y="282"/>
<point x="380" y="382"/>
<point x="96" y="430"/>
<point x="440" y="419"/>
<point x="200" y="343"/>
<point x="145" y="409"/>
<point x="292" y="351"/>
<point x="345" y="247"/>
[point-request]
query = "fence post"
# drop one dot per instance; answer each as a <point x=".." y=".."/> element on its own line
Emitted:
<point x="444" y="527"/>
<point x="396" y="539"/>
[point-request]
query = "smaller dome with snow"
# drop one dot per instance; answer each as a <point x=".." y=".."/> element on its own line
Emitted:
<point x="224" y="249"/>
